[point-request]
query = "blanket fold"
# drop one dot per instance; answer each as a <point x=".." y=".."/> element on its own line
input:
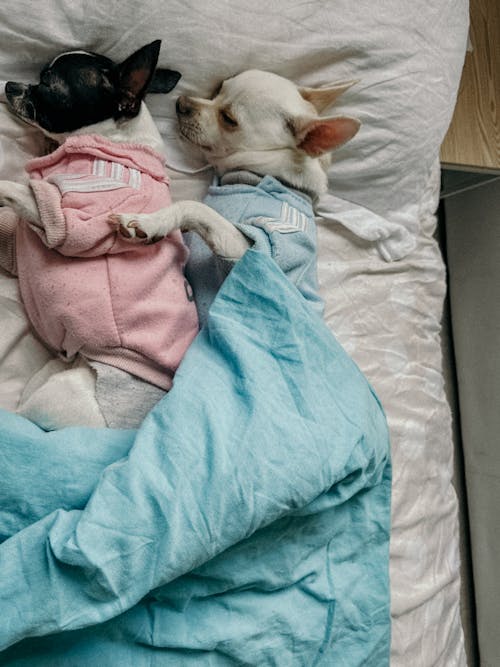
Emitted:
<point x="255" y="495"/>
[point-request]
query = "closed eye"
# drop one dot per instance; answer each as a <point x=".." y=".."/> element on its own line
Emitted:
<point x="228" y="119"/>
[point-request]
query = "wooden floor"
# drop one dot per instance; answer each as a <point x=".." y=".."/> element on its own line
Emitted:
<point x="473" y="140"/>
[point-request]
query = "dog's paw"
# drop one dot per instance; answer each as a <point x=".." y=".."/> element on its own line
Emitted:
<point x="138" y="228"/>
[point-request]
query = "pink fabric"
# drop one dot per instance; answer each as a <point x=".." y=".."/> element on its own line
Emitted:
<point x="85" y="288"/>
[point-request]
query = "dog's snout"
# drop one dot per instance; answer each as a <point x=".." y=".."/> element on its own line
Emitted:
<point x="184" y="106"/>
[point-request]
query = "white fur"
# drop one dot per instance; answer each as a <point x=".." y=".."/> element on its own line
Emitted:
<point x="267" y="129"/>
<point x="217" y="232"/>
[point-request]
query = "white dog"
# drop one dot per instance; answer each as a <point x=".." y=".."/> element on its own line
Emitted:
<point x="261" y="122"/>
<point x="270" y="147"/>
<point x="75" y="272"/>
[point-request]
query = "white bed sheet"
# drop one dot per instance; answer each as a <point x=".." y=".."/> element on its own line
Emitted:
<point x="408" y="55"/>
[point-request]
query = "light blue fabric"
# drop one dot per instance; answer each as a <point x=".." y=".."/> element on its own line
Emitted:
<point x="245" y="523"/>
<point x="281" y="224"/>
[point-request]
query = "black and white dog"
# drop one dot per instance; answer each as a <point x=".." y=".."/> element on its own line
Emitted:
<point x="89" y="105"/>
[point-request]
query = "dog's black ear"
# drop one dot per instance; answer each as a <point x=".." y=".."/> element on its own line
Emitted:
<point x="133" y="78"/>
<point x="163" y="81"/>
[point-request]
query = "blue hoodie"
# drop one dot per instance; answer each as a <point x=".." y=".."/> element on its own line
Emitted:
<point x="279" y="221"/>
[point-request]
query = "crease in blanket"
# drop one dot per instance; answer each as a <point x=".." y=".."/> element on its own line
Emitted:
<point x="228" y="511"/>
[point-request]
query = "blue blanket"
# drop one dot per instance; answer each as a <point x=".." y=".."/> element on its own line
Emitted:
<point x="245" y="523"/>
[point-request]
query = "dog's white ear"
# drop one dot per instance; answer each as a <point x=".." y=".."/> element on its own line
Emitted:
<point x="322" y="98"/>
<point x="321" y="135"/>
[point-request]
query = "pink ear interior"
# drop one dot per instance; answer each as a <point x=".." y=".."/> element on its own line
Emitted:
<point x="325" y="134"/>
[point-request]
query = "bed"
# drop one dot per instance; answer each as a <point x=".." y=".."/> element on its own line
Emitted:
<point x="383" y="282"/>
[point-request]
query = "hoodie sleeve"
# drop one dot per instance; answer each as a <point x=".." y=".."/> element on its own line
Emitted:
<point x="291" y="242"/>
<point x="8" y="224"/>
<point x="71" y="231"/>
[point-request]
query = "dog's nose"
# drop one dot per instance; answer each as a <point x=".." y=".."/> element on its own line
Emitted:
<point x="14" y="89"/>
<point x="184" y="106"/>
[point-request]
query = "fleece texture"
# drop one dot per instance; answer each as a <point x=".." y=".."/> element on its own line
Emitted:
<point x="86" y="289"/>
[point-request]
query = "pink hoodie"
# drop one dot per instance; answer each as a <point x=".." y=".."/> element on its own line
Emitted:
<point x="84" y="287"/>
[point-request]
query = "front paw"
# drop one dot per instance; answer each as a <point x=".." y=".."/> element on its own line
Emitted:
<point x="138" y="228"/>
<point x="127" y="226"/>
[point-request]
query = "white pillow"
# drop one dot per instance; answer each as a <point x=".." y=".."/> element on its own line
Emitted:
<point x="407" y="54"/>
